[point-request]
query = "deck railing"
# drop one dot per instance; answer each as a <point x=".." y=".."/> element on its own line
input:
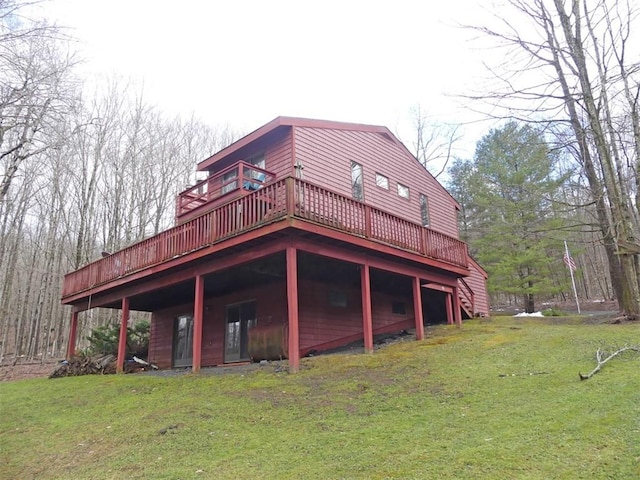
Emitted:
<point x="322" y="205"/>
<point x="287" y="197"/>
<point x="239" y="176"/>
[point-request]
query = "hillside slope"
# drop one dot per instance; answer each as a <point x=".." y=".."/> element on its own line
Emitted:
<point x="498" y="398"/>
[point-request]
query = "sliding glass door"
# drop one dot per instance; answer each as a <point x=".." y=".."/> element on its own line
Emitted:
<point x="240" y="318"/>
<point x="183" y="341"/>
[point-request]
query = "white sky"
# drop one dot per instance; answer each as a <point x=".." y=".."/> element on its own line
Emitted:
<point x="244" y="62"/>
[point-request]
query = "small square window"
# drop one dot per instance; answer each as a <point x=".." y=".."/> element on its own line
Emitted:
<point x="338" y="298"/>
<point x="382" y="181"/>
<point x="398" y="308"/>
<point x="403" y="191"/>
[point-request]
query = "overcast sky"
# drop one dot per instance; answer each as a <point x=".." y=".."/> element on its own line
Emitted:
<point x="244" y="62"/>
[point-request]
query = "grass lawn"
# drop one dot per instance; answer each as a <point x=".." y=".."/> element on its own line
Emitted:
<point x="460" y="404"/>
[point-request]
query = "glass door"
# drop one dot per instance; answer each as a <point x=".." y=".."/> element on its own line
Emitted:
<point x="183" y="341"/>
<point x="240" y="318"/>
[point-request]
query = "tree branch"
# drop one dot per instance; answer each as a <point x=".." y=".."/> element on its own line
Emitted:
<point x="600" y="353"/>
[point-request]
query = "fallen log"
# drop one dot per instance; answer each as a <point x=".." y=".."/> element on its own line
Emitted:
<point x="145" y="363"/>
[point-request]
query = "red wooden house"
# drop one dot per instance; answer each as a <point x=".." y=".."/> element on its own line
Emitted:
<point x="311" y="232"/>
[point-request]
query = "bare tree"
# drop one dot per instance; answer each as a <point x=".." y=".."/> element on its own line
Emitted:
<point x="79" y="174"/>
<point x="567" y="61"/>
<point x="434" y="142"/>
<point x="34" y="89"/>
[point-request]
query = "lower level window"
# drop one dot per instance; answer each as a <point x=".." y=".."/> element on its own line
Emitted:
<point x="337" y="298"/>
<point x="399" y="308"/>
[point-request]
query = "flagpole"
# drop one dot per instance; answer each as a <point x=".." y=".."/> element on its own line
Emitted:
<point x="573" y="282"/>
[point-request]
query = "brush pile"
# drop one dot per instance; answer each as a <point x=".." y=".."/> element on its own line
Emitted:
<point x="85" y="365"/>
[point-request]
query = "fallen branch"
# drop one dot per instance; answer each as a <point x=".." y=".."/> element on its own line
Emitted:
<point x="600" y="353"/>
<point x="522" y="374"/>
<point x="145" y="363"/>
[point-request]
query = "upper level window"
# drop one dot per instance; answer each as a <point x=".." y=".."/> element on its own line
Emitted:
<point x="356" y="181"/>
<point x="229" y="181"/>
<point x="403" y="191"/>
<point x="257" y="160"/>
<point x="382" y="181"/>
<point x="424" y="210"/>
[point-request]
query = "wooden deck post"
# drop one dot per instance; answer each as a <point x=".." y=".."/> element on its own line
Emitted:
<point x="367" y="322"/>
<point x="122" y="340"/>
<point x="292" y="309"/>
<point x="73" y="331"/>
<point x="457" y="313"/>
<point x="417" y="308"/>
<point x="290" y="195"/>
<point x="368" y="227"/>
<point x="198" y="312"/>
<point x="449" y="306"/>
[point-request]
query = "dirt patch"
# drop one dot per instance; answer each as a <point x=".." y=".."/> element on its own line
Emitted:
<point x="22" y="371"/>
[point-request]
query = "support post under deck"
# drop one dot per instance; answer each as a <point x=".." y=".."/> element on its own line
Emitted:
<point x="457" y="312"/>
<point x="292" y="309"/>
<point x="198" y="312"/>
<point x="449" y="307"/>
<point x="367" y="322"/>
<point x="417" y="308"/>
<point x="122" y="340"/>
<point x="73" y="332"/>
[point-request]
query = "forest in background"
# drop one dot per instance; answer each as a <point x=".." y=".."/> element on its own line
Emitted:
<point x="86" y="171"/>
<point x="83" y="172"/>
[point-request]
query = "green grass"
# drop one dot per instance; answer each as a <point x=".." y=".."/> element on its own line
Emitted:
<point x="440" y="408"/>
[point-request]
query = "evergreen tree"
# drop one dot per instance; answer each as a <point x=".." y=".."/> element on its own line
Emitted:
<point x="461" y="174"/>
<point x="513" y="184"/>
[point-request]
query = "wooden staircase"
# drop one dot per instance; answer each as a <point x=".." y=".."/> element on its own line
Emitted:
<point x="467" y="299"/>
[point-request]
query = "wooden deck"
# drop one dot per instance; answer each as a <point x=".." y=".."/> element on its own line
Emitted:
<point x="286" y="198"/>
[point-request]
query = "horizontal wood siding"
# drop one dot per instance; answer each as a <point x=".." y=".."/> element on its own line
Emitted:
<point x="160" y="336"/>
<point x="327" y="155"/>
<point x="277" y="148"/>
<point x="384" y="320"/>
<point x="278" y="157"/>
<point x="322" y="324"/>
<point x="478" y="284"/>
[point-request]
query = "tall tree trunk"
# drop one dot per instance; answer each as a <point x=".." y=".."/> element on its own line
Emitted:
<point x="620" y="226"/>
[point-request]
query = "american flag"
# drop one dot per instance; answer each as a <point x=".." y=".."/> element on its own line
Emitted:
<point x="569" y="262"/>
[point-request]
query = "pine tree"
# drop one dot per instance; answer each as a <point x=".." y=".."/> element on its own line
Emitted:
<point x="514" y="182"/>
